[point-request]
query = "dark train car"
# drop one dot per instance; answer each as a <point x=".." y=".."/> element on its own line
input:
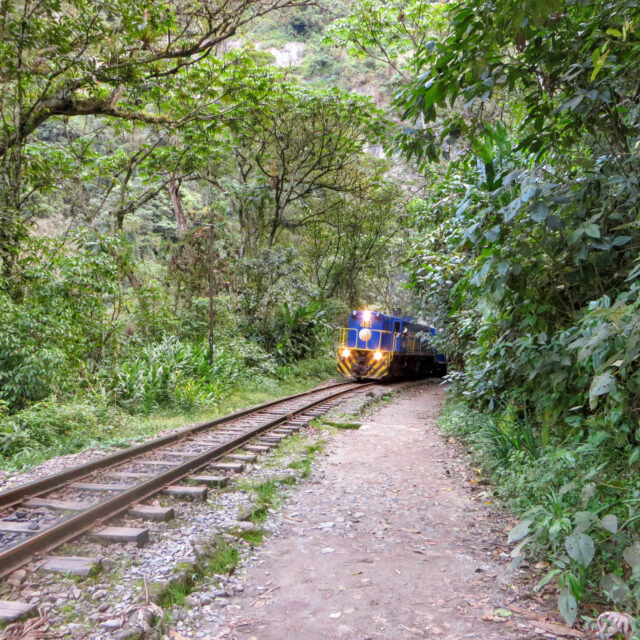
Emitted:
<point x="378" y="346"/>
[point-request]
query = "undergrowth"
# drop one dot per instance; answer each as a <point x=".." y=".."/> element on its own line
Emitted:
<point x="223" y="561"/>
<point x="266" y="497"/>
<point x="578" y="500"/>
<point x="52" y="427"/>
<point x="304" y="463"/>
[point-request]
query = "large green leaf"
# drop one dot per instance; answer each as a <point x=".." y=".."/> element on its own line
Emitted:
<point x="601" y="385"/>
<point x="580" y="548"/>
<point x="568" y="606"/>
<point x="520" y="530"/>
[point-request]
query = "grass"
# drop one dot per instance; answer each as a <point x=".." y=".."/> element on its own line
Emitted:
<point x="304" y="463"/>
<point x="175" y="594"/>
<point x="254" y="537"/>
<point x="342" y="425"/>
<point x="81" y="424"/>
<point x="266" y="494"/>
<point x="224" y="560"/>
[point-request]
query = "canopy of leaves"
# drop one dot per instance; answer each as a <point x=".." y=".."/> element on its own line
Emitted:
<point x="528" y="237"/>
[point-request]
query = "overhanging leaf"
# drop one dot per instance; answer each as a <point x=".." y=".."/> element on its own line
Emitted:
<point x="539" y="212"/>
<point x="601" y="385"/>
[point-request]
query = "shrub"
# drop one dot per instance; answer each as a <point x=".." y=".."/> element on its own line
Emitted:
<point x="49" y="428"/>
<point x="177" y="374"/>
<point x="59" y="323"/>
<point x="578" y="501"/>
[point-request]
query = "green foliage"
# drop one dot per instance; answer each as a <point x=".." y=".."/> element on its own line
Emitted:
<point x="48" y="428"/>
<point x="300" y="332"/>
<point x="579" y="504"/>
<point x="386" y="31"/>
<point x="177" y="374"/>
<point x="255" y="537"/>
<point x="526" y="254"/>
<point x="41" y="350"/>
<point x="305" y="462"/>
<point x="224" y="559"/>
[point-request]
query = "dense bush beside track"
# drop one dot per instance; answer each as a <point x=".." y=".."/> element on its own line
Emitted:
<point x="527" y="253"/>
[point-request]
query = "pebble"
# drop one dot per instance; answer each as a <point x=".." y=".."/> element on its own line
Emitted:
<point x="112" y="624"/>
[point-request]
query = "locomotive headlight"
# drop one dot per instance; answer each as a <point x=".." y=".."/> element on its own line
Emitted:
<point x="364" y="335"/>
<point x="345" y="353"/>
<point x="366" y="316"/>
<point x="377" y="355"/>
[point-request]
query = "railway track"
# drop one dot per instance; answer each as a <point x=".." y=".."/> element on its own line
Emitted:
<point x="37" y="517"/>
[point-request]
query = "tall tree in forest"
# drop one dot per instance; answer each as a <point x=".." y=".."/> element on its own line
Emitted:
<point x="64" y="59"/>
<point x="298" y="145"/>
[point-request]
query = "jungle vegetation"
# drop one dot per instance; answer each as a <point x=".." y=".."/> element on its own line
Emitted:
<point x="524" y="120"/>
<point x="150" y="152"/>
<point x="153" y="156"/>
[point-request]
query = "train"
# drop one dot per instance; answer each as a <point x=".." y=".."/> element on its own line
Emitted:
<point x="377" y="346"/>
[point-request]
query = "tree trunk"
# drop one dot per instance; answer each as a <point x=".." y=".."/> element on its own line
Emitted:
<point x="174" y="192"/>
<point x="212" y="255"/>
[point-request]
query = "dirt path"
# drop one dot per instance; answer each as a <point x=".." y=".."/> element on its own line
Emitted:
<point x="385" y="542"/>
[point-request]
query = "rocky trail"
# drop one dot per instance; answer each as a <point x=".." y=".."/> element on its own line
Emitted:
<point x="389" y="533"/>
<point x="392" y="538"/>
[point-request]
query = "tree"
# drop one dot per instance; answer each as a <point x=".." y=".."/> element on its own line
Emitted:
<point x="64" y="59"/>
<point x="302" y="144"/>
<point x="349" y="246"/>
<point x="388" y="32"/>
<point x="527" y="247"/>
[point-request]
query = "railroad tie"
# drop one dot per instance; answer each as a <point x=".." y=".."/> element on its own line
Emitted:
<point x="11" y="610"/>
<point x="183" y="491"/>
<point x="157" y="463"/>
<point x="243" y="457"/>
<point x="57" y="505"/>
<point x="129" y="474"/>
<point x="210" y="481"/>
<point x="271" y="439"/>
<point x="186" y="453"/>
<point x="157" y="514"/>
<point x="20" y="527"/>
<point x="73" y="565"/>
<point x="95" y="486"/>
<point x="110" y="535"/>
<point x="237" y="467"/>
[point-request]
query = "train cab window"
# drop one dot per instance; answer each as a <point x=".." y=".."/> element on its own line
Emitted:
<point x="396" y="327"/>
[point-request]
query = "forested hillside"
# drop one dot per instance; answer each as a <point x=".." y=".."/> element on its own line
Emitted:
<point x="291" y="160"/>
<point x="154" y="158"/>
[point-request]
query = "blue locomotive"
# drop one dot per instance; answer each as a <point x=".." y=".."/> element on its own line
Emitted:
<point x="378" y="346"/>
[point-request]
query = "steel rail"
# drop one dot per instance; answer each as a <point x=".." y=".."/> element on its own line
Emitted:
<point x="16" y="495"/>
<point x="58" y="534"/>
